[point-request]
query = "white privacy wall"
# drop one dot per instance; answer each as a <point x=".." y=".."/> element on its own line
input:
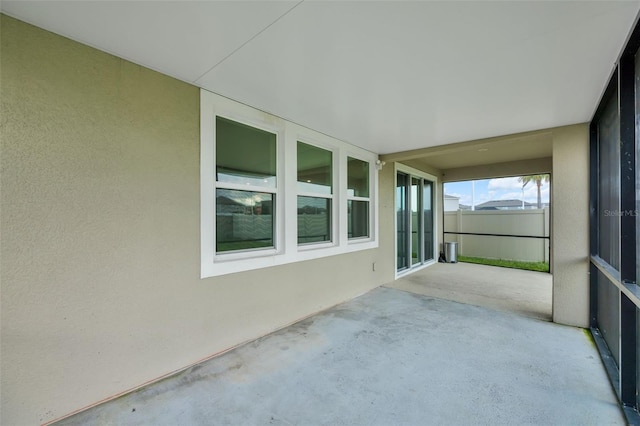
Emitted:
<point x="534" y="222"/>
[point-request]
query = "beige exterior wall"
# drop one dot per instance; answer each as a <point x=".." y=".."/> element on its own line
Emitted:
<point x="570" y="225"/>
<point x="100" y="256"/>
<point x="387" y="216"/>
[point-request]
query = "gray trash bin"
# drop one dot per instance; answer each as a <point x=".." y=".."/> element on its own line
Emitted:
<point x="451" y="252"/>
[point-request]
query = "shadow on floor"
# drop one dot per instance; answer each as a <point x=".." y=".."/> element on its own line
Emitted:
<point x="524" y="292"/>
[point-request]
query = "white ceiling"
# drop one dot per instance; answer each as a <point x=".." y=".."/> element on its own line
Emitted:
<point x="387" y="76"/>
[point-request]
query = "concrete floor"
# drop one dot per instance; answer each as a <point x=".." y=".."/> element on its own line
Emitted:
<point x="524" y="292"/>
<point x="388" y="357"/>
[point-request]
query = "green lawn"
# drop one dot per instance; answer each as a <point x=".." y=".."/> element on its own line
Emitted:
<point x="529" y="266"/>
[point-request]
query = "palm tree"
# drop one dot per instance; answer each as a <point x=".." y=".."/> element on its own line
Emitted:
<point x="538" y="181"/>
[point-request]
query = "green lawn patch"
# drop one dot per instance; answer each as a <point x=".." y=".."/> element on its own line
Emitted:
<point x="529" y="266"/>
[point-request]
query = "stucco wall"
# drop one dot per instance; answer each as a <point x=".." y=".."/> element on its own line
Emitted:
<point x="570" y="225"/>
<point x="387" y="215"/>
<point x="100" y="255"/>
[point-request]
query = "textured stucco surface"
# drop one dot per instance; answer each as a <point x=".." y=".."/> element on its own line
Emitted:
<point x="101" y="234"/>
<point x="570" y="225"/>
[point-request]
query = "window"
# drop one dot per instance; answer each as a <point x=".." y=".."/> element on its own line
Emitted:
<point x="315" y="193"/>
<point x="245" y="187"/>
<point x="273" y="192"/>
<point x="358" y="198"/>
<point x="414" y="218"/>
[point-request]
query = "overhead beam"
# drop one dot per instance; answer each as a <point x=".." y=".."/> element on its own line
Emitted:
<point x="466" y="146"/>
<point x="511" y="168"/>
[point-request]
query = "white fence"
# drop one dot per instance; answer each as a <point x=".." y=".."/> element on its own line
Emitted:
<point x="246" y="227"/>
<point x="534" y="222"/>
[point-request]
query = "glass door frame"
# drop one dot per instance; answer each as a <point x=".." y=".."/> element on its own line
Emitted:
<point x="422" y="176"/>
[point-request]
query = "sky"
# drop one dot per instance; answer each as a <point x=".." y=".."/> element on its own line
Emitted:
<point x="496" y="189"/>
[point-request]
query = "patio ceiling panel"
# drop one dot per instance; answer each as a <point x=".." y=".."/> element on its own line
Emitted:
<point x="391" y="76"/>
<point x="388" y="76"/>
<point x="183" y="39"/>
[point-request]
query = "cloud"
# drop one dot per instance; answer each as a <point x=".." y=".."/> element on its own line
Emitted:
<point x="503" y="184"/>
<point x="511" y="189"/>
<point x="500" y="189"/>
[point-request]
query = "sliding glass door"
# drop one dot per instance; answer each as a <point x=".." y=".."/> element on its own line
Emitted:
<point x="414" y="220"/>
<point x="402" y="223"/>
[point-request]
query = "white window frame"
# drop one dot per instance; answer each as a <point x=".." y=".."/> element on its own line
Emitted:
<point x="399" y="167"/>
<point x="334" y="179"/>
<point x="372" y="175"/>
<point x="248" y="120"/>
<point x="287" y="249"/>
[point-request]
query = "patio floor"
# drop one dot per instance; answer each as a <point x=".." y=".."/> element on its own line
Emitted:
<point x="388" y="357"/>
<point x="524" y="292"/>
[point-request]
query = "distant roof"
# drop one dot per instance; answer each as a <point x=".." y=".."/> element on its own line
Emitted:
<point x="221" y="200"/>
<point x="451" y="197"/>
<point x="503" y="203"/>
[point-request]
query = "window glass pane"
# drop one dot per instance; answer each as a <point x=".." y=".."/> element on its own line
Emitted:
<point x="358" y="177"/>
<point x="314" y="219"/>
<point x="427" y="209"/>
<point x="416" y="202"/>
<point x="244" y="220"/>
<point x="401" y="220"/>
<point x="244" y="154"/>
<point x="358" y="219"/>
<point x="609" y="184"/>
<point x="314" y="169"/>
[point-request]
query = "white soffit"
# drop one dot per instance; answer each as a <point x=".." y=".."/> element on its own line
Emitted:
<point x="183" y="39"/>
<point x="388" y="76"/>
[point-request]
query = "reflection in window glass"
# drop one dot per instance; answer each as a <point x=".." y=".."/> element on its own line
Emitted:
<point x="401" y="220"/>
<point x="314" y="219"/>
<point x="416" y="219"/>
<point x="357" y="186"/>
<point x="427" y="211"/>
<point x="315" y="175"/>
<point x="244" y="220"/>
<point x="244" y="154"/>
<point x="358" y="219"/>
<point x="314" y="169"/>
<point x="357" y="177"/>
